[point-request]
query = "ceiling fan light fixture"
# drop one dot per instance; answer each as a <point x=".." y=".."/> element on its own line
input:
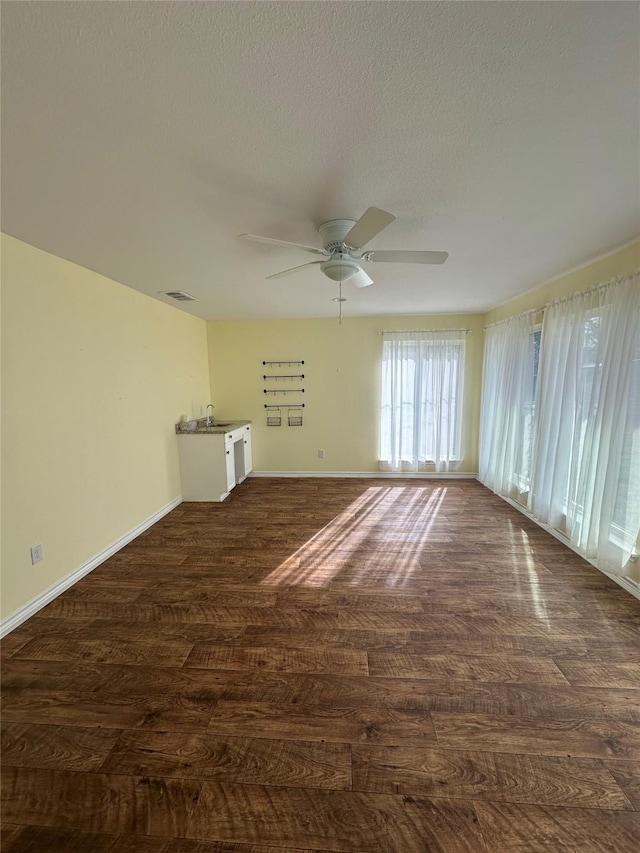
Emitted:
<point x="339" y="269"/>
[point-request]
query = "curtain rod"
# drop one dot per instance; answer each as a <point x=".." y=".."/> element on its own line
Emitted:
<point x="619" y="279"/>
<point x="561" y="299"/>
<point x="390" y="331"/>
<point x="511" y="319"/>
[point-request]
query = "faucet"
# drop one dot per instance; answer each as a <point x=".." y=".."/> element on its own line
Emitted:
<point x="210" y="406"/>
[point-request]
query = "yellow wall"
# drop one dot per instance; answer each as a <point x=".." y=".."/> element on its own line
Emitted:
<point x="94" y="377"/>
<point x="622" y="262"/>
<point x="342" y="386"/>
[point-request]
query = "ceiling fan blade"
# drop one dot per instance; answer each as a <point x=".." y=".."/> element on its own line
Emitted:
<point x="401" y="257"/>
<point x="294" y="269"/>
<point x="360" y="279"/>
<point x="257" y="239"/>
<point x="370" y="223"/>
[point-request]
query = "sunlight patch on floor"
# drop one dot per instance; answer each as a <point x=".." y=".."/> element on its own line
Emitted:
<point x="379" y="536"/>
<point x="534" y="584"/>
<point x="526" y="585"/>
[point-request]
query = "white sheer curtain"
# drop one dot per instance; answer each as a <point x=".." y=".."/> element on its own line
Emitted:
<point x="421" y="401"/>
<point x="508" y="406"/>
<point x="585" y="481"/>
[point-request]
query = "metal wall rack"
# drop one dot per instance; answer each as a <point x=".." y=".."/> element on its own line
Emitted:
<point x="278" y="382"/>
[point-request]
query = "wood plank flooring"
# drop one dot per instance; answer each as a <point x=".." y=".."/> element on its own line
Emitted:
<point x="328" y="666"/>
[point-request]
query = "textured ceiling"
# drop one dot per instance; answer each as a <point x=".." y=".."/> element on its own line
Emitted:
<point x="140" y="138"/>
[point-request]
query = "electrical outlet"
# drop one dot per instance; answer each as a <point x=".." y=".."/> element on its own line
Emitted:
<point x="36" y="554"/>
<point x="321" y="454"/>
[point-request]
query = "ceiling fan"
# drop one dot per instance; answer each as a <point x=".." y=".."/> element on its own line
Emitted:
<point x="342" y="241"/>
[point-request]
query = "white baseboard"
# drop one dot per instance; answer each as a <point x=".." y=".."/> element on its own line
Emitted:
<point x="625" y="583"/>
<point x="369" y="475"/>
<point x="23" y="613"/>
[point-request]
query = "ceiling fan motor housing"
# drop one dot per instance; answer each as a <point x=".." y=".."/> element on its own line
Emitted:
<point x="333" y="233"/>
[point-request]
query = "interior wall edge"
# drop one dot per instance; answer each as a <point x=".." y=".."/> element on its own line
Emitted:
<point x="621" y="261"/>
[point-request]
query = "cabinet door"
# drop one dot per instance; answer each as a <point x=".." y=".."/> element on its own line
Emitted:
<point x="230" y="464"/>
<point x="248" y="461"/>
<point x="203" y="472"/>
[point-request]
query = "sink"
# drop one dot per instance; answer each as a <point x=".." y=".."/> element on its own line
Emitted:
<point x="220" y="423"/>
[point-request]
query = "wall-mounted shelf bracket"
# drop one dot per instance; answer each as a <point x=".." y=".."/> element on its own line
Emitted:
<point x="266" y="376"/>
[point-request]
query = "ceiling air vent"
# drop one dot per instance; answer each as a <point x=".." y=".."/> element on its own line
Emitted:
<point x="179" y="295"/>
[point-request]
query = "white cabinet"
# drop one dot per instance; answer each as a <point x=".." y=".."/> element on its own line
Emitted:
<point x="212" y="463"/>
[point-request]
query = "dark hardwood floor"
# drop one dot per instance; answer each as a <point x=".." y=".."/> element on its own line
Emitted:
<point x="365" y="666"/>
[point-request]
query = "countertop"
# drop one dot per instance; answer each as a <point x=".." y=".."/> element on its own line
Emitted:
<point x="214" y="429"/>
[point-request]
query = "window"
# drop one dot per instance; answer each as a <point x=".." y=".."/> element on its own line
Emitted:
<point x="587" y="381"/>
<point x="421" y="401"/>
<point x="585" y="478"/>
<point x="625" y="517"/>
<point x="524" y="459"/>
<point x="560" y="420"/>
<point x="626" y="514"/>
<point x="507" y="423"/>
